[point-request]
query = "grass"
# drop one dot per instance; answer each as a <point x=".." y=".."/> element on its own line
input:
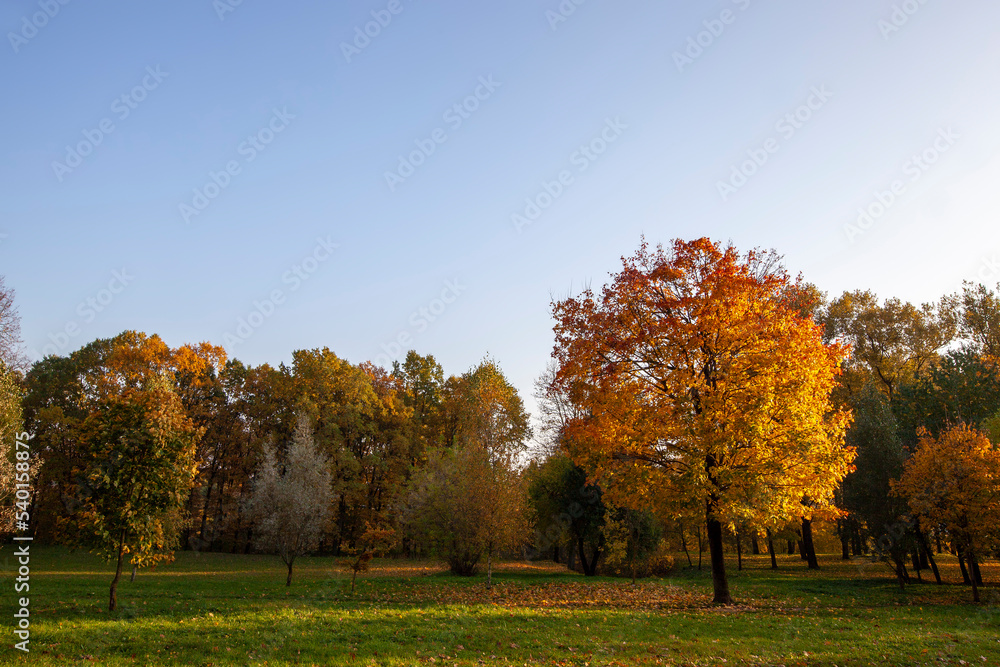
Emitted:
<point x="217" y="609"/>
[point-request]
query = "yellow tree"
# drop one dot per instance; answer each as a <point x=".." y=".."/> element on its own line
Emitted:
<point x="702" y="381"/>
<point x="953" y="482"/>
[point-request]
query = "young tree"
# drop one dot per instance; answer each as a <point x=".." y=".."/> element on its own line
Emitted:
<point x="953" y="481"/>
<point x="376" y="540"/>
<point x="702" y="381"/>
<point x="470" y="500"/>
<point x="494" y="424"/>
<point x="443" y="509"/>
<point x="139" y="463"/>
<point x="291" y="501"/>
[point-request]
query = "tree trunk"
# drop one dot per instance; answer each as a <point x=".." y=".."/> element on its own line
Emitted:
<point x="977" y="575"/>
<point x="754" y="544"/>
<point x="720" y="583"/>
<point x="354" y="578"/>
<point x="791" y="547"/>
<point x="288" y="582"/>
<point x="113" y="600"/>
<point x="589" y="569"/>
<point x="489" y="569"/>
<point x="570" y="556"/>
<point x="807" y="544"/>
<point x="915" y="558"/>
<point x="926" y="547"/>
<point x="684" y="545"/>
<point x="134" y="568"/>
<point x="555" y="553"/>
<point x="961" y="565"/>
<point x="901" y="575"/>
<point x="770" y="547"/>
<point x="977" y="579"/>
<point x="739" y="553"/>
<point x="845" y="538"/>
<point x="802" y="550"/>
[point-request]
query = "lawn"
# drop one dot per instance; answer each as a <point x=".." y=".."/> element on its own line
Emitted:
<point x="218" y="609"/>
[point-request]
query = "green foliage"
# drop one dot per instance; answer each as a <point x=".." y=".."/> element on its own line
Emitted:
<point x="963" y="388"/>
<point x="631" y="538"/>
<point x="880" y="458"/>
<point x="137" y="468"/>
<point x="567" y="508"/>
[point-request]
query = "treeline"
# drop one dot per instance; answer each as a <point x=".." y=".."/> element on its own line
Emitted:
<point x="374" y="427"/>
<point x="703" y="399"/>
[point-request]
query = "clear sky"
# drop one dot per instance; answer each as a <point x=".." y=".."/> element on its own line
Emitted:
<point x="212" y="154"/>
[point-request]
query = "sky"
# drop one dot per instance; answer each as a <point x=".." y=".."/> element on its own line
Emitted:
<point x="391" y="174"/>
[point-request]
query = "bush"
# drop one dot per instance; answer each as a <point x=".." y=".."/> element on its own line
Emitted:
<point x="657" y="563"/>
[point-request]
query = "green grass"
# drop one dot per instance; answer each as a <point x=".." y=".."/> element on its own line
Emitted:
<point x="216" y="609"/>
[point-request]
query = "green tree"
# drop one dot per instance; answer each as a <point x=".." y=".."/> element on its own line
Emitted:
<point x="566" y="507"/>
<point x="138" y="467"/>
<point x="868" y="490"/>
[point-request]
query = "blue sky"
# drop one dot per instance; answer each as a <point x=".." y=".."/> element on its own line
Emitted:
<point x="893" y="109"/>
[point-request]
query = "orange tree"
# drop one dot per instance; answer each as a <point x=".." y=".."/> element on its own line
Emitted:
<point x="953" y="482"/>
<point x="702" y="381"/>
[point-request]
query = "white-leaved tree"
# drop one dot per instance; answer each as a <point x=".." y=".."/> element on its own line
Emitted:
<point x="292" y="499"/>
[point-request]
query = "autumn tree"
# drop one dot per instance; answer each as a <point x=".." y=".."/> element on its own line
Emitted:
<point x="442" y="510"/>
<point x="470" y="499"/>
<point x="494" y="424"/>
<point x="363" y="425"/>
<point x="10" y="430"/>
<point x="10" y="405"/>
<point x="977" y="311"/>
<point x="138" y="465"/>
<point x="291" y="500"/>
<point x="702" y="381"/>
<point x="891" y="342"/>
<point x="953" y="481"/>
